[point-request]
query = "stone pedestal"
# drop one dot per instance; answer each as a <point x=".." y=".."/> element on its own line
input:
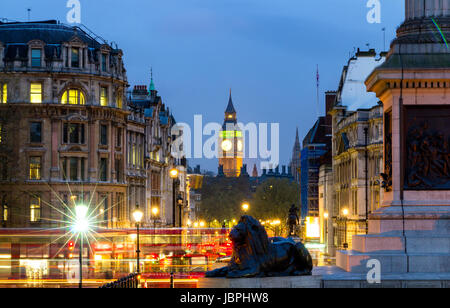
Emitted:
<point x="313" y="281"/>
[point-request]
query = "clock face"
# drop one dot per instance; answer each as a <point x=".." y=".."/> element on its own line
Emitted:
<point x="227" y="145"/>
<point x="239" y="145"/>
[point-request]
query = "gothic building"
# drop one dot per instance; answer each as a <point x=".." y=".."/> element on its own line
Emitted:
<point x="230" y="143"/>
<point x="295" y="160"/>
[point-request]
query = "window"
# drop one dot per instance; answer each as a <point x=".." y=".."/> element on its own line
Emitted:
<point x="4" y="212"/>
<point x="64" y="168"/>
<point x="103" y="209"/>
<point x="103" y="169"/>
<point x="3" y="168"/>
<point x="35" y="209"/>
<point x="103" y="62"/>
<point x="73" y="133"/>
<point x="35" y="132"/>
<point x="103" y="96"/>
<point x="74" y="169"/>
<point x="118" y="170"/>
<point x="119" y="100"/>
<point x="119" y="137"/>
<point x="83" y="161"/>
<point x="2" y="132"/>
<point x="3" y="93"/>
<point x="103" y="135"/>
<point x="36" y="57"/>
<point x="35" y="168"/>
<point x="73" y="97"/>
<point x="36" y="93"/>
<point x="75" y="57"/>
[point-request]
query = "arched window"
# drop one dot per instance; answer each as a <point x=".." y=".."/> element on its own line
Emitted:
<point x="73" y="97"/>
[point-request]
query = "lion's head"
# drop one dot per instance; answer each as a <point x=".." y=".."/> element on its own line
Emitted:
<point x="250" y="240"/>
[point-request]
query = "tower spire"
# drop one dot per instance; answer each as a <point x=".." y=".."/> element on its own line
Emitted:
<point x="152" y="84"/>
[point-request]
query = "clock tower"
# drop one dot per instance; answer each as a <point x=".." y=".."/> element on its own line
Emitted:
<point x="230" y="143"/>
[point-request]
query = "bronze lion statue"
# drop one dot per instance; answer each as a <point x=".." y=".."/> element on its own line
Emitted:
<point x="255" y="255"/>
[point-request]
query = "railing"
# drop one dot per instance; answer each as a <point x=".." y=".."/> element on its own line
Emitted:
<point x="129" y="282"/>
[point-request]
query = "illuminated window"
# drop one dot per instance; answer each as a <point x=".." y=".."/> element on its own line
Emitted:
<point x="35" y="209"/>
<point x="36" y="93"/>
<point x="103" y="96"/>
<point x="35" y="168"/>
<point x="3" y="93"/>
<point x="75" y="57"/>
<point x="36" y="57"/>
<point x="35" y="132"/>
<point x="73" y="97"/>
<point x="4" y="213"/>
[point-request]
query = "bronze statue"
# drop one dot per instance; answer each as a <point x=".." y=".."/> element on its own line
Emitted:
<point x="255" y="255"/>
<point x="293" y="219"/>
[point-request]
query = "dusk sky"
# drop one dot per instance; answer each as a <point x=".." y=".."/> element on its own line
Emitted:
<point x="265" y="50"/>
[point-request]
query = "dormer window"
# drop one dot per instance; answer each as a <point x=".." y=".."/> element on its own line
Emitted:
<point x="73" y="97"/>
<point x="75" y="57"/>
<point x="104" y="62"/>
<point x="36" y="57"/>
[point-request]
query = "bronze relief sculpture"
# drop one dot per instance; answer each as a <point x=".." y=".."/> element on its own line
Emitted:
<point x="255" y="255"/>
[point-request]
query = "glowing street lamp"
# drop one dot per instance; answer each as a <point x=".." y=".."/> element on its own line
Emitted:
<point x="137" y="215"/>
<point x="173" y="173"/>
<point x="345" y="213"/>
<point x="80" y="226"/>
<point x="245" y="207"/>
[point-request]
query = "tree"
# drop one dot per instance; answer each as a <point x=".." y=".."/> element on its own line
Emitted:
<point x="273" y="199"/>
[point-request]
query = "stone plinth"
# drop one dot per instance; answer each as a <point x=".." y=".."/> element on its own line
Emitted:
<point x="313" y="281"/>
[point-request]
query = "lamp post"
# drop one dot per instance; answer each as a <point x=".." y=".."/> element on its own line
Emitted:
<point x="345" y="213"/>
<point x="245" y="207"/>
<point x="174" y="175"/>
<point x="325" y="217"/>
<point x="137" y="215"/>
<point x="80" y="226"/>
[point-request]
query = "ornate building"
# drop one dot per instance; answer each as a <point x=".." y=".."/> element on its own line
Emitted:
<point x="357" y="125"/>
<point x="231" y="144"/>
<point x="69" y="135"/>
<point x="410" y="232"/>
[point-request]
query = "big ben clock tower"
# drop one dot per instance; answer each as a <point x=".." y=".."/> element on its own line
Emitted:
<point x="230" y="143"/>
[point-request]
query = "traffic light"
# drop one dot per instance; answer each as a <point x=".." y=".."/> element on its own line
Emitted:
<point x="71" y="245"/>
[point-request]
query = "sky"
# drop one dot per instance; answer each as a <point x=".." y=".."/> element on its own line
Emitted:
<point x="266" y="51"/>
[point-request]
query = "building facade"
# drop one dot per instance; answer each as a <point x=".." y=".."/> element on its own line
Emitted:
<point x="295" y="160"/>
<point x="357" y="150"/>
<point x="70" y="135"/>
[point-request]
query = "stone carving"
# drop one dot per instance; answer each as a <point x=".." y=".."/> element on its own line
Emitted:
<point x="387" y="175"/>
<point x="255" y="255"/>
<point x="428" y="157"/>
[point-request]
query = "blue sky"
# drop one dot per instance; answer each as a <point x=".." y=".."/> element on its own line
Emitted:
<point x="265" y="50"/>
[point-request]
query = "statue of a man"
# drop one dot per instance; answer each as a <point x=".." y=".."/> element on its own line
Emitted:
<point x="293" y="219"/>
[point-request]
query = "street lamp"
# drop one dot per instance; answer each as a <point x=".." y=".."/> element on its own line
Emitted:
<point x="155" y="212"/>
<point x="325" y="216"/>
<point x="245" y="207"/>
<point x="80" y="226"/>
<point x="174" y="175"/>
<point x="345" y="213"/>
<point x="137" y="215"/>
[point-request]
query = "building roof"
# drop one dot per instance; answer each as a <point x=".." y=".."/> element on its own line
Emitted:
<point x="50" y="32"/>
<point x="352" y="91"/>
<point x="230" y="107"/>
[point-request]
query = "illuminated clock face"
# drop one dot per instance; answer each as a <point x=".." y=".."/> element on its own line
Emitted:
<point x="227" y="145"/>
<point x="239" y="145"/>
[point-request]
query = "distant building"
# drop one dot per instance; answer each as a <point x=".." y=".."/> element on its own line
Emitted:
<point x="316" y="144"/>
<point x="295" y="160"/>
